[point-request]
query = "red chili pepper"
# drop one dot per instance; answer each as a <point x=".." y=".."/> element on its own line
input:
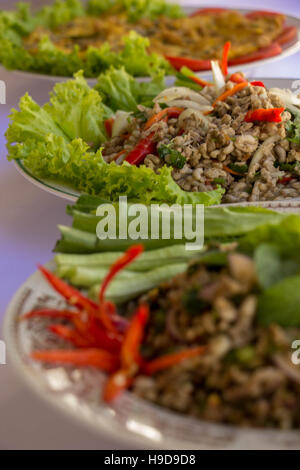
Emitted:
<point x="141" y="150"/>
<point x="263" y="53"/>
<point x="108" y="124"/>
<point x="106" y="313"/>
<point x="224" y="61"/>
<point x="94" y="332"/>
<point x="170" y="360"/>
<point x="116" y="384"/>
<point x="288" y="34"/>
<point x="208" y="11"/>
<point x="72" y="296"/>
<point x="257" y="83"/>
<point x="267" y="115"/>
<point x="86" y="357"/>
<point x="237" y="78"/>
<point x="194" y="64"/>
<point x="286" y="179"/>
<point x="71" y="335"/>
<point x="130" y="352"/>
<point x="253" y="15"/>
<point x="50" y="313"/>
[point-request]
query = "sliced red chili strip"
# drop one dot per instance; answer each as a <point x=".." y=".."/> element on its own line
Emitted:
<point x="170" y="360"/>
<point x="224" y="61"/>
<point x="50" y="313"/>
<point x="71" y="335"/>
<point x="286" y="179"/>
<point x="72" y="296"/>
<point x="86" y="357"/>
<point x="130" y="352"/>
<point x="141" y="150"/>
<point x="106" y="313"/>
<point x="267" y="115"/>
<point x="116" y="384"/>
<point x="257" y="83"/>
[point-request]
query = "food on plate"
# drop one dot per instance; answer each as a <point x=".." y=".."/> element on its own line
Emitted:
<point x="228" y="140"/>
<point x="220" y="333"/>
<point x="142" y="36"/>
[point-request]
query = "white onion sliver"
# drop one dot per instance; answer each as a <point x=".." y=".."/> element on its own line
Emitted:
<point x="286" y="96"/>
<point x="190" y="104"/>
<point x="260" y="153"/>
<point x="189" y="112"/>
<point x="180" y="92"/>
<point x="217" y="76"/>
<point x="121" y="123"/>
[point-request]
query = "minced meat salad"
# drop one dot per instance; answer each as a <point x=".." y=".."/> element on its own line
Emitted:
<point x="246" y="376"/>
<point x="242" y="137"/>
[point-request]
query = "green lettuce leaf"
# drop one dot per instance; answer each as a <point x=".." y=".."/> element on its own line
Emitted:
<point x="78" y="111"/>
<point x="14" y="25"/>
<point x="119" y="90"/>
<point x="136" y="9"/>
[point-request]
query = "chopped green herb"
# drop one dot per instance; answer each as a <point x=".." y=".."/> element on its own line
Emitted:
<point x="238" y="168"/>
<point x="192" y="302"/>
<point x="176" y="158"/>
<point x="219" y="181"/>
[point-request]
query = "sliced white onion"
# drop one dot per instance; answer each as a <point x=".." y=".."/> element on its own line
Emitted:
<point x="121" y="123"/>
<point x="260" y="153"/>
<point x="174" y="93"/>
<point x="218" y="77"/>
<point x="190" y="112"/>
<point x="286" y="96"/>
<point x="191" y="104"/>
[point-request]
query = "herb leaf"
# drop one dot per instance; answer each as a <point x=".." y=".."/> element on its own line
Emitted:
<point x="176" y="158"/>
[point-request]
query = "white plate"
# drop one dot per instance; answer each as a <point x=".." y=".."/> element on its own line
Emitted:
<point x="71" y="194"/>
<point x="288" y="50"/>
<point x="132" y="421"/>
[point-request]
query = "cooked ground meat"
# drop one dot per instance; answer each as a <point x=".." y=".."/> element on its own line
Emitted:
<point x="243" y="377"/>
<point x="248" y="159"/>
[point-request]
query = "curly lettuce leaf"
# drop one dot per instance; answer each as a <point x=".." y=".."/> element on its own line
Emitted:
<point x="136" y="9"/>
<point x="78" y="111"/>
<point x="14" y="25"/>
<point x="119" y="90"/>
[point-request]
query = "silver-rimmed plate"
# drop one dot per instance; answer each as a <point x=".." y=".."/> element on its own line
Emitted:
<point x="287" y="50"/>
<point x="136" y="423"/>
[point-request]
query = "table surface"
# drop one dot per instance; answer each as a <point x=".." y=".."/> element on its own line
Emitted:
<point x="28" y="232"/>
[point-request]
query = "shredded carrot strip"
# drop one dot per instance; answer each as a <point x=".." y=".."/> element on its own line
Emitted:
<point x="238" y="87"/>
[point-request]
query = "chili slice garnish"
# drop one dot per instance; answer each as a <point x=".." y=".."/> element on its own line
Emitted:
<point x="170" y="360"/>
<point x="267" y="115"/>
<point x="224" y="61"/>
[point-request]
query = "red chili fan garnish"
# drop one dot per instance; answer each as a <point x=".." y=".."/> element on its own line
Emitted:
<point x="92" y="330"/>
<point x="267" y="115"/>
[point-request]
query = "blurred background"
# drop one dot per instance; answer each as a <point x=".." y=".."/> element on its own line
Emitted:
<point x="28" y="219"/>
